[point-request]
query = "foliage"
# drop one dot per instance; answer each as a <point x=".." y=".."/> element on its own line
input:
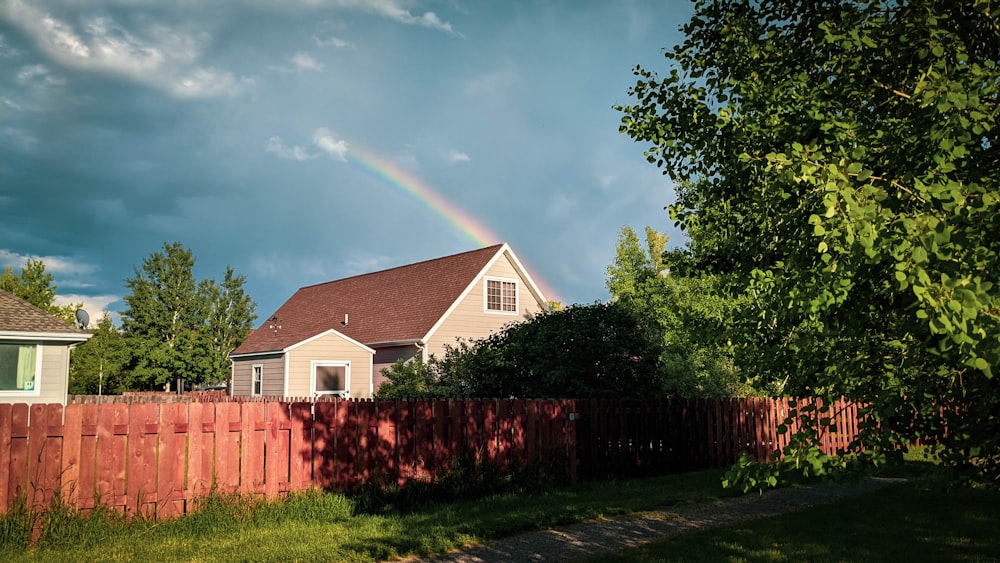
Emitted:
<point x="692" y="312"/>
<point x="415" y="379"/>
<point x="177" y="327"/>
<point x="97" y="366"/>
<point x="35" y="286"/>
<point x="840" y="157"/>
<point x="599" y="350"/>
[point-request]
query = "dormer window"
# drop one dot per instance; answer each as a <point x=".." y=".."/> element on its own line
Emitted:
<point x="501" y="295"/>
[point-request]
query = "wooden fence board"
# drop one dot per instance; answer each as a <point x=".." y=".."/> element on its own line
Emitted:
<point x="406" y="441"/>
<point x="300" y="447"/>
<point x="386" y="441"/>
<point x="325" y="444"/>
<point x="227" y="447"/>
<point x="276" y="443"/>
<point x="5" y="457"/>
<point x="346" y="428"/>
<point x="252" y="435"/>
<point x="141" y="469"/>
<point x="171" y="462"/>
<point x="200" y="450"/>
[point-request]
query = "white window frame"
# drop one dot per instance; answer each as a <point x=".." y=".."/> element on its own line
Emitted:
<point x="486" y="296"/>
<point x="346" y="364"/>
<point x="36" y="389"/>
<point x="256" y="379"/>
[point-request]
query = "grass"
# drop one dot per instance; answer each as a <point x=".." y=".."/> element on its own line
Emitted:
<point x="919" y="520"/>
<point x="909" y="522"/>
<point x="923" y="519"/>
<point x="327" y="527"/>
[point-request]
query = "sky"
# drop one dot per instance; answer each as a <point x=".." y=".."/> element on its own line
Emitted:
<point x="304" y="141"/>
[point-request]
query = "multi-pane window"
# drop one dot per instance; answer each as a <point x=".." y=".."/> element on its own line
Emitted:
<point x="258" y="377"/>
<point x="18" y="367"/>
<point x="501" y="295"/>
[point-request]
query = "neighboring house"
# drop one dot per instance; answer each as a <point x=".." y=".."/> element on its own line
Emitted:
<point x="336" y="337"/>
<point x="34" y="353"/>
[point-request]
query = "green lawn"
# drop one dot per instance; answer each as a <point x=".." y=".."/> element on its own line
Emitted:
<point x="915" y="521"/>
<point x="322" y="527"/>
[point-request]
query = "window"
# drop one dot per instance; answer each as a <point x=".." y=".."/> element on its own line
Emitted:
<point x="258" y="379"/>
<point x="501" y="295"/>
<point x="331" y="378"/>
<point x="19" y="367"/>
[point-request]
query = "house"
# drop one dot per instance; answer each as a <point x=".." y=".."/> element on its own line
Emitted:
<point x="34" y="353"/>
<point x="336" y="337"/>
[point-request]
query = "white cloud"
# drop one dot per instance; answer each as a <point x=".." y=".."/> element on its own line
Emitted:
<point x="38" y="76"/>
<point x="328" y="142"/>
<point x="302" y="61"/>
<point x="453" y="156"/>
<point x="323" y="139"/>
<point x="394" y="11"/>
<point x="95" y="305"/>
<point x="331" y="42"/>
<point x="278" y="148"/>
<point x="156" y="55"/>
<point x="53" y="264"/>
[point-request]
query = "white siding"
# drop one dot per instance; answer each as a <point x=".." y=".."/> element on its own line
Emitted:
<point x="329" y="348"/>
<point x="470" y="318"/>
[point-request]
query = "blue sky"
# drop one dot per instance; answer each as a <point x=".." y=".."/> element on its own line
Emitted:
<point x="231" y="126"/>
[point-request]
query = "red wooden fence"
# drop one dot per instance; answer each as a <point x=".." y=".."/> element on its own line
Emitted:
<point x="156" y="459"/>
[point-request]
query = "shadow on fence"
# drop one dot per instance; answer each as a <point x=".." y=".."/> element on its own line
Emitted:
<point x="156" y="457"/>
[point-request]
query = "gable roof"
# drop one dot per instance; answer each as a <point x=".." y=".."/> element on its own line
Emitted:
<point x="401" y="304"/>
<point x="21" y="320"/>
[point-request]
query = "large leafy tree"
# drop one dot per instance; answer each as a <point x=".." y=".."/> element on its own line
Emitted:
<point x="97" y="365"/>
<point x="36" y="286"/>
<point x="692" y="311"/>
<point x="841" y="157"/>
<point x="178" y="327"/>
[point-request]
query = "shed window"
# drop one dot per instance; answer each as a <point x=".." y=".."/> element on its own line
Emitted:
<point x="501" y="296"/>
<point x="331" y="378"/>
<point x="19" y="367"/>
<point x="258" y="379"/>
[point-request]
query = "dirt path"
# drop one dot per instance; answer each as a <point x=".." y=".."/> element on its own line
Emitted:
<point x="611" y="535"/>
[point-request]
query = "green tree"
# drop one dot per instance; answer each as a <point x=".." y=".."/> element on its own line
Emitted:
<point x="35" y="286"/>
<point x="840" y="157"/>
<point x="231" y="317"/>
<point x="600" y="350"/>
<point x="692" y="312"/>
<point x="96" y="367"/>
<point x="180" y="328"/>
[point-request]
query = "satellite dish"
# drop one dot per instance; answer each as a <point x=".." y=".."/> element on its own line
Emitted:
<point x="82" y="319"/>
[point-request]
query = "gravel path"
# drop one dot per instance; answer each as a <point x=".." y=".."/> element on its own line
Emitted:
<point x="611" y="535"/>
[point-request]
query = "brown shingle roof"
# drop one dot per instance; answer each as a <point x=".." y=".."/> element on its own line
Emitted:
<point x="392" y="305"/>
<point x="17" y="315"/>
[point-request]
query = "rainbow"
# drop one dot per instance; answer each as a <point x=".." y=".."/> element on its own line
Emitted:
<point x="470" y="227"/>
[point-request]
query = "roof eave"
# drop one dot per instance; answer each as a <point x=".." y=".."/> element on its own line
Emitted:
<point x="47" y="336"/>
